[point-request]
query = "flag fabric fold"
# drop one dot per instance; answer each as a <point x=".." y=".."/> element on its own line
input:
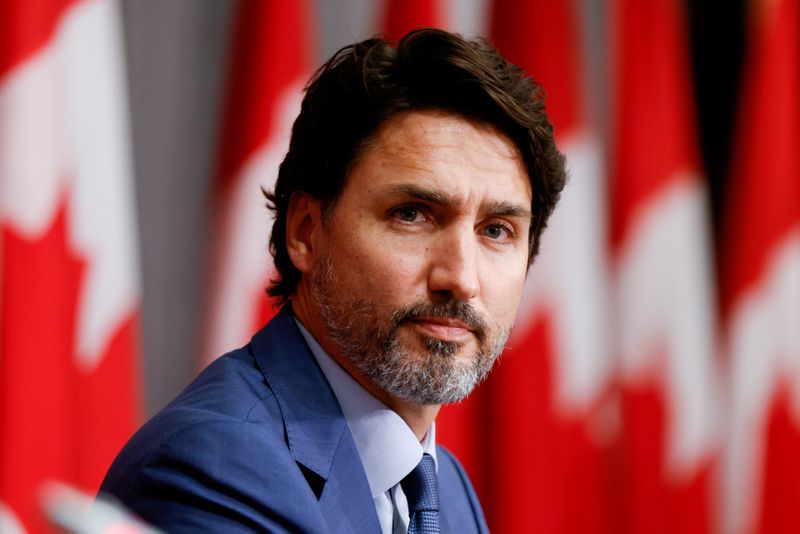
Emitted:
<point x="663" y="292"/>
<point x="270" y="64"/>
<point x="402" y="16"/>
<point x="551" y="394"/>
<point x="69" y="286"/>
<point x="761" y="281"/>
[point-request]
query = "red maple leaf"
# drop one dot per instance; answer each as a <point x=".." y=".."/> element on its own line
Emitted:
<point x="56" y="421"/>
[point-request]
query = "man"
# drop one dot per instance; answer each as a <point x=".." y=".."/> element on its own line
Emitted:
<point x="410" y="204"/>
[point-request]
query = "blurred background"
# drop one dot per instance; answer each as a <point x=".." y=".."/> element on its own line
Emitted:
<point x="652" y="383"/>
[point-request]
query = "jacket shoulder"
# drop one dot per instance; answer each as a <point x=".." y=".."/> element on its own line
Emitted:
<point x="216" y="459"/>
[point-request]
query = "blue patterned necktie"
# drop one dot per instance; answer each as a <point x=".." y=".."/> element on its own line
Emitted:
<point x="422" y="492"/>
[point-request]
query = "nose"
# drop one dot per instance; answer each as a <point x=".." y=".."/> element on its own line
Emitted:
<point x="453" y="261"/>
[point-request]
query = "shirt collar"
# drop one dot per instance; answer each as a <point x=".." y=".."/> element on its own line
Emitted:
<point x="389" y="449"/>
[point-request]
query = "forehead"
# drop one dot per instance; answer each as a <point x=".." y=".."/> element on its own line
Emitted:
<point x="442" y="151"/>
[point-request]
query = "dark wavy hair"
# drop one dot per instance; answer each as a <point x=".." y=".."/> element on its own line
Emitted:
<point x="364" y="84"/>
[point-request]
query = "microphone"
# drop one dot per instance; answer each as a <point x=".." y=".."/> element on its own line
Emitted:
<point x="73" y="511"/>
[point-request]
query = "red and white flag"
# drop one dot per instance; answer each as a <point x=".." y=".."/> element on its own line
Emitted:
<point x="550" y="421"/>
<point x="761" y="281"/>
<point x="69" y="285"/>
<point x="271" y="61"/>
<point x="663" y="290"/>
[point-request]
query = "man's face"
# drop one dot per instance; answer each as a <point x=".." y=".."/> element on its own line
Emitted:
<point x="423" y="259"/>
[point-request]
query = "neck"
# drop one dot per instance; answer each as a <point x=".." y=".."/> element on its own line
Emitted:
<point x="419" y="418"/>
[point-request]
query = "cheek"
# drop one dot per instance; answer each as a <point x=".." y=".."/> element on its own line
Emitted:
<point x="503" y="292"/>
<point x="380" y="269"/>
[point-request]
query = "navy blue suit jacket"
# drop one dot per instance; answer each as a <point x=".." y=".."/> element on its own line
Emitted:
<point x="258" y="443"/>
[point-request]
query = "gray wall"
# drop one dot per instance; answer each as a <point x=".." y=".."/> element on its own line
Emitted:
<point x="176" y="59"/>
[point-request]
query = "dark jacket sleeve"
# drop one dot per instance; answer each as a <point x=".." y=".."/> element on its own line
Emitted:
<point x="218" y="476"/>
<point x="216" y="460"/>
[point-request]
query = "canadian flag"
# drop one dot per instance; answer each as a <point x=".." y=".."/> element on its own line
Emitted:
<point x="551" y="421"/>
<point x="761" y="281"/>
<point x="664" y="321"/>
<point x="69" y="285"/>
<point x="271" y="61"/>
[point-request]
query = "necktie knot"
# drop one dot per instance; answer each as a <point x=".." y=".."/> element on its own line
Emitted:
<point x="421" y="488"/>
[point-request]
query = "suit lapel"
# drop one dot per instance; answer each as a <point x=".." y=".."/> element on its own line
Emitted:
<point x="316" y="431"/>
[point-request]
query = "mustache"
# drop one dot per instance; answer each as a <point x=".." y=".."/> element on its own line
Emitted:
<point x="454" y="309"/>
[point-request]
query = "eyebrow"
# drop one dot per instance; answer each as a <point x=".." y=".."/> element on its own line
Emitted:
<point x="495" y="208"/>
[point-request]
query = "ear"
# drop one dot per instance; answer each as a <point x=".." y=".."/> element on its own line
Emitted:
<point x="303" y="230"/>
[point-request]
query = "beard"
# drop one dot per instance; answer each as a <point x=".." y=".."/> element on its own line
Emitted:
<point x="368" y="334"/>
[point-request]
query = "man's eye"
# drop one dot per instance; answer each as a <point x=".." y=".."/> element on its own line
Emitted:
<point x="497" y="232"/>
<point x="408" y="214"/>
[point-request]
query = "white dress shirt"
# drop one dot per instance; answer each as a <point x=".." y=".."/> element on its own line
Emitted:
<point x="388" y="447"/>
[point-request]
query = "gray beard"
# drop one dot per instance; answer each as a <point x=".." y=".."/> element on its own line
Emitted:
<point x="369" y="337"/>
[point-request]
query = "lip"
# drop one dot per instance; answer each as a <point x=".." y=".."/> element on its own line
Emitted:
<point x="443" y="328"/>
